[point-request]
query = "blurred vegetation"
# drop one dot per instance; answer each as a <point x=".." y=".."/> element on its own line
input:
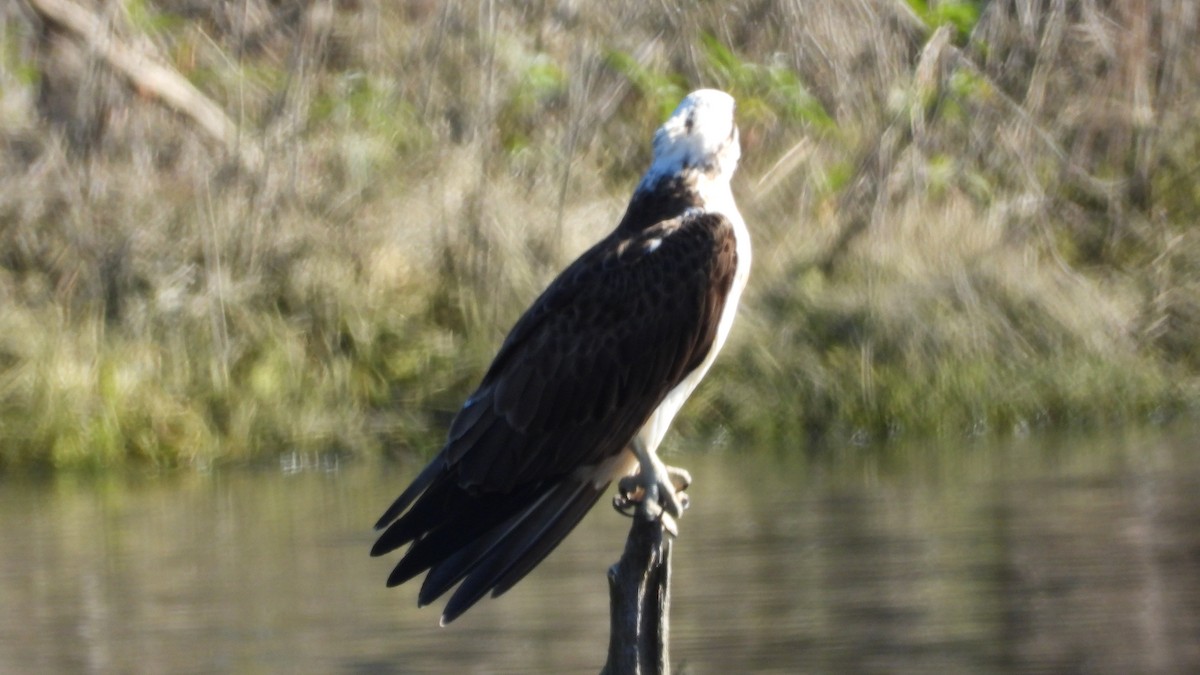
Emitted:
<point x="986" y="230"/>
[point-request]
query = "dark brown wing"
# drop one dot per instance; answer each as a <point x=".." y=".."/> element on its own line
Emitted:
<point x="576" y="378"/>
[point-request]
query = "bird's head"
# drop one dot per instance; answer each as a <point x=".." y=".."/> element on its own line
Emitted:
<point x="700" y="136"/>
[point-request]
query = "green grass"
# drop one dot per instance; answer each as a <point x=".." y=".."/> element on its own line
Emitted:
<point x="1008" y="248"/>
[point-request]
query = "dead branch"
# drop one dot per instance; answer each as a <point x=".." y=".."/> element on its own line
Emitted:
<point x="639" y="588"/>
<point x="148" y="74"/>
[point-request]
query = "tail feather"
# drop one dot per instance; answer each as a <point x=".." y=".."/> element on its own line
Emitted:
<point x="443" y="520"/>
<point x="445" y="574"/>
<point x="514" y="555"/>
<point x="436" y="505"/>
<point x="462" y="524"/>
<point x="433" y="547"/>
<point x="419" y="484"/>
<point x="481" y="542"/>
<point x="554" y="534"/>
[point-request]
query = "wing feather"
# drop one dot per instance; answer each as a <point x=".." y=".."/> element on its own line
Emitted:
<point x="524" y="546"/>
<point x="575" y="379"/>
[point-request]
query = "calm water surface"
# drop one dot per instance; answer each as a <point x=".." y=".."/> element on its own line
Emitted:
<point x="1047" y="555"/>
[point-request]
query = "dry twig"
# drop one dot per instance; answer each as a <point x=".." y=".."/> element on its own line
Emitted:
<point x="150" y="75"/>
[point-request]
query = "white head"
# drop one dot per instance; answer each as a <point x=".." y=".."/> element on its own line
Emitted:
<point x="700" y="136"/>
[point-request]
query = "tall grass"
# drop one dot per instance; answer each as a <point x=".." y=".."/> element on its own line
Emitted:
<point x="984" y="243"/>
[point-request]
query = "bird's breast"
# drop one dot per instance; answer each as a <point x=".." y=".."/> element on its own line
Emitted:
<point x="656" y="425"/>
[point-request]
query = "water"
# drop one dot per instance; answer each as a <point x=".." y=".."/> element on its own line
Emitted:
<point x="1050" y="555"/>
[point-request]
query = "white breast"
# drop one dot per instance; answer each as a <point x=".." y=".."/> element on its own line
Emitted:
<point x="717" y="199"/>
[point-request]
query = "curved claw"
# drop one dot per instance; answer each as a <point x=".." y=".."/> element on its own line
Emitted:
<point x="680" y="478"/>
<point x="658" y="496"/>
<point x="629" y="485"/>
<point x="624" y="506"/>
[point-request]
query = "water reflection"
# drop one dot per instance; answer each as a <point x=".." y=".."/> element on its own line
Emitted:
<point x="1055" y="555"/>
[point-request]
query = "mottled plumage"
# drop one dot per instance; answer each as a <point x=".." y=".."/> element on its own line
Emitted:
<point x="583" y="376"/>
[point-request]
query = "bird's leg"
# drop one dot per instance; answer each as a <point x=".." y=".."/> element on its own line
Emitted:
<point x="655" y="492"/>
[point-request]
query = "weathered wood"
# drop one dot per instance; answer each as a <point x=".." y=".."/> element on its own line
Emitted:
<point x="640" y="600"/>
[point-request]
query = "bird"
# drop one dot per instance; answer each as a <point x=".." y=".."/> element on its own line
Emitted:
<point x="585" y="385"/>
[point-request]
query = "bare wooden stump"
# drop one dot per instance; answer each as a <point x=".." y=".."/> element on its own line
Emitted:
<point x="639" y="586"/>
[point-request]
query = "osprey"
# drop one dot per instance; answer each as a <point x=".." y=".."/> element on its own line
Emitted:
<point x="588" y="380"/>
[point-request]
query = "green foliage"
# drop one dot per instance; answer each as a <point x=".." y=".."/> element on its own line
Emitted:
<point x="148" y="20"/>
<point x="862" y="368"/>
<point x="767" y="94"/>
<point x="661" y="91"/>
<point x="963" y="15"/>
<point x="24" y="72"/>
<point x="836" y="177"/>
<point x="364" y="106"/>
<point x="425" y="179"/>
<point x="540" y="87"/>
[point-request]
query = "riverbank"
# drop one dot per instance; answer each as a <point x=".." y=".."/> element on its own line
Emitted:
<point x="984" y="230"/>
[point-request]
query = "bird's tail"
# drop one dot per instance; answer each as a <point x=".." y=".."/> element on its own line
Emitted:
<point x="486" y="542"/>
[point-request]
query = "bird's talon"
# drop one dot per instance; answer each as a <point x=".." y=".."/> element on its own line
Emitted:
<point x="668" y="524"/>
<point x="629" y="487"/>
<point x="680" y="478"/>
<point x="650" y="510"/>
<point x="657" y="495"/>
<point x="672" y="502"/>
<point x="624" y="505"/>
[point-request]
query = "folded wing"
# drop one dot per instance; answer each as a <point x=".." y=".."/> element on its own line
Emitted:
<point x="575" y="379"/>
